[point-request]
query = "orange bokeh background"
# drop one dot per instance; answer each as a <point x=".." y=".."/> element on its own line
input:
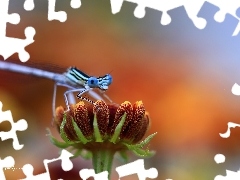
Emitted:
<point x="176" y="70"/>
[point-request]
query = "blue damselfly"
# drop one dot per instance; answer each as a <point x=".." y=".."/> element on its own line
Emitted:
<point x="73" y="79"/>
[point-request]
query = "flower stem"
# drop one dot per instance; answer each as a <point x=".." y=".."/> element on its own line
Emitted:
<point x="102" y="160"/>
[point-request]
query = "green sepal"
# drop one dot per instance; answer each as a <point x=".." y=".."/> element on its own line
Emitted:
<point x="139" y="151"/>
<point x="118" y="129"/>
<point x="146" y="140"/>
<point x="138" y="148"/>
<point x="97" y="134"/>
<point x="79" y="133"/>
<point x="143" y="153"/>
<point x="62" y="132"/>
<point x="57" y="143"/>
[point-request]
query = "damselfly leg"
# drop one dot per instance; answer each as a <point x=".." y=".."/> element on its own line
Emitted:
<point x="106" y="96"/>
<point x="82" y="91"/>
<point x="70" y="98"/>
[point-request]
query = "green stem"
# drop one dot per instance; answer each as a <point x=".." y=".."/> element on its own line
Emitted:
<point x="102" y="160"/>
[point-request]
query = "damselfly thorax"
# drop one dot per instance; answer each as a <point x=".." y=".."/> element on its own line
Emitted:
<point x="73" y="80"/>
<point x="79" y="78"/>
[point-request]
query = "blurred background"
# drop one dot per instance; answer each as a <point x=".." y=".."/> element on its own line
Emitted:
<point x="182" y="74"/>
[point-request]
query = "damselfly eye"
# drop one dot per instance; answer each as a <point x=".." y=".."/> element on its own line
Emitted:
<point x="109" y="79"/>
<point x="92" y="82"/>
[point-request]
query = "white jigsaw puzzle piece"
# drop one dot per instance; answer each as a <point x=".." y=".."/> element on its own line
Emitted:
<point x="20" y="125"/>
<point x="67" y="165"/>
<point x="9" y="45"/>
<point x="7" y="162"/>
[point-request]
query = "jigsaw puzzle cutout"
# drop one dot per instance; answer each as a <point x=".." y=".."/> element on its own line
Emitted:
<point x="60" y="15"/>
<point x="228" y="132"/>
<point x="52" y="14"/>
<point x="137" y="167"/>
<point x="7" y="162"/>
<point x="220" y="158"/>
<point x="236" y="89"/>
<point x="227" y="7"/>
<point x="75" y="4"/>
<point x="87" y="173"/>
<point x="192" y="9"/>
<point x="9" y="45"/>
<point x="29" y="5"/>
<point x="230" y="175"/>
<point x="20" y="125"/>
<point x="66" y="164"/>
